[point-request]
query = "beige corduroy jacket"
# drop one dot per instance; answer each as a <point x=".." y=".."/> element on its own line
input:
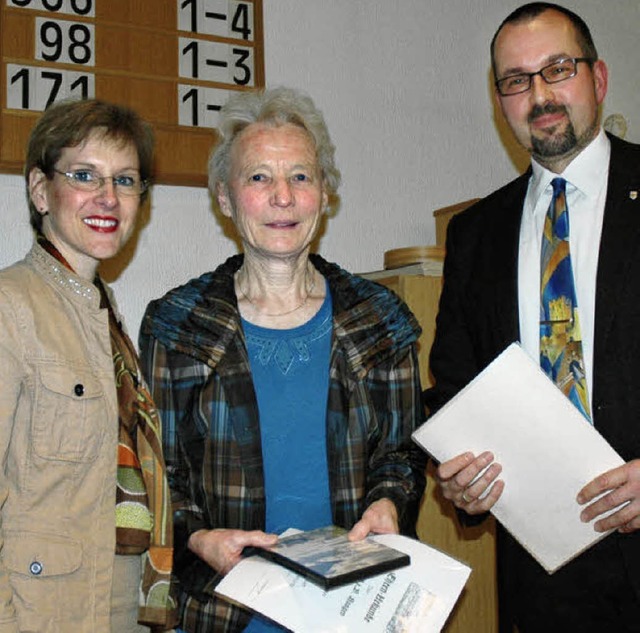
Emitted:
<point x="58" y="443"/>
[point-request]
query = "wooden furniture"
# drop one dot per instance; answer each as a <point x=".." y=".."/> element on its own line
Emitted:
<point x="174" y="63"/>
<point x="438" y="525"/>
<point x="443" y="215"/>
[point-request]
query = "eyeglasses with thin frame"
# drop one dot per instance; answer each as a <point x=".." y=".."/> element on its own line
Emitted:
<point x="553" y="73"/>
<point x="89" y="180"/>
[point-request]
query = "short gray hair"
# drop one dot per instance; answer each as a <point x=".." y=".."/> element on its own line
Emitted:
<point x="277" y="106"/>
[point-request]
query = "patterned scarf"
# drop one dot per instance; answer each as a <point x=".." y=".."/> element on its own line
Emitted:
<point x="144" y="522"/>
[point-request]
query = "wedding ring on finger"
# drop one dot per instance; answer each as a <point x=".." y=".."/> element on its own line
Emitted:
<point x="465" y="498"/>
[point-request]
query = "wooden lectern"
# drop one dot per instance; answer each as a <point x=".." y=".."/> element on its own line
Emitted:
<point x="416" y="277"/>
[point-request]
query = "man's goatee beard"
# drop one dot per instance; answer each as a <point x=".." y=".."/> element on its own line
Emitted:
<point x="562" y="144"/>
<point x="553" y="146"/>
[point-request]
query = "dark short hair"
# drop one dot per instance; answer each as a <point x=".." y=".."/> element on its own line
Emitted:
<point x="70" y="123"/>
<point x="532" y="10"/>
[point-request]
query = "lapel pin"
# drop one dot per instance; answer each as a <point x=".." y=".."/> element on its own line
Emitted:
<point x="633" y="195"/>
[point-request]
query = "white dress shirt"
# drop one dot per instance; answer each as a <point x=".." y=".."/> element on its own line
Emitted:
<point x="586" y="192"/>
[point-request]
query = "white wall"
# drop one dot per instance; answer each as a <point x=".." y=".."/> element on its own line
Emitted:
<point x="404" y="86"/>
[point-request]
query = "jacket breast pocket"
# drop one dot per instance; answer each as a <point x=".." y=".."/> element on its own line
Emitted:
<point x="68" y="414"/>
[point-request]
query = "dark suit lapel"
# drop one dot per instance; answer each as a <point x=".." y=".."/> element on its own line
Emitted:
<point x="620" y="241"/>
<point x="504" y="259"/>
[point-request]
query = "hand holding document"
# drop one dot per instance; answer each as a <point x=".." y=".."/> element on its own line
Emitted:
<point x="413" y="599"/>
<point x="547" y="450"/>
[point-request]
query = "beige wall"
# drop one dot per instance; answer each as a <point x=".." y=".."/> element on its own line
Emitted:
<point x="404" y="85"/>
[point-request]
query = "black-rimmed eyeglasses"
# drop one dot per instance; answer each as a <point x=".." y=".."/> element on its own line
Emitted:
<point x="89" y="180"/>
<point x="552" y="74"/>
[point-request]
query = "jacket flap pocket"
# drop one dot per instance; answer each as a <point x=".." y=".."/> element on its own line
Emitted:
<point x="40" y="555"/>
<point x="73" y="383"/>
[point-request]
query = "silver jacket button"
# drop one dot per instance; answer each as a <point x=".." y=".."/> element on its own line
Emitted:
<point x="35" y="568"/>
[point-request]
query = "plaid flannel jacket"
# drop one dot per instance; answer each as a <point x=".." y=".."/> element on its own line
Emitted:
<point x="194" y="355"/>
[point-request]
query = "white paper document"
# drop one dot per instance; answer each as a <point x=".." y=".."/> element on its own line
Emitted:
<point x="547" y="450"/>
<point x="413" y="599"/>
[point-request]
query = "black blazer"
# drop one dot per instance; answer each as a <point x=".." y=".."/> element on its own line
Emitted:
<point x="478" y="316"/>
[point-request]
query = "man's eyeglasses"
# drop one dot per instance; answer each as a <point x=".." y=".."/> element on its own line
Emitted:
<point x="552" y="74"/>
<point x="89" y="180"/>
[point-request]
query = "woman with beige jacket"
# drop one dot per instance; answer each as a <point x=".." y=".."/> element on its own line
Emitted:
<point x="86" y="531"/>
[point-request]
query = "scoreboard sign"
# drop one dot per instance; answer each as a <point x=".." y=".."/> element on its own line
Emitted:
<point x="173" y="61"/>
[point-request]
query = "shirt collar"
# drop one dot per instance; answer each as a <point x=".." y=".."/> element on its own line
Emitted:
<point x="587" y="172"/>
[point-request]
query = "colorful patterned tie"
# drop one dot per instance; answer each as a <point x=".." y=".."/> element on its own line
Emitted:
<point x="560" y="338"/>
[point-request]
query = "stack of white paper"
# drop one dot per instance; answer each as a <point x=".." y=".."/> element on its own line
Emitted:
<point x="548" y="452"/>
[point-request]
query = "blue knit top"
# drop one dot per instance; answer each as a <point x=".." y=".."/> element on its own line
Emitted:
<point x="290" y="370"/>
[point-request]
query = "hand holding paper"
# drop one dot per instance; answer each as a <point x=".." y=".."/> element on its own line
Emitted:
<point x="413" y="599"/>
<point x="222" y="549"/>
<point x="621" y="485"/>
<point x="471" y="482"/>
<point x="381" y="517"/>
<point x="548" y="453"/>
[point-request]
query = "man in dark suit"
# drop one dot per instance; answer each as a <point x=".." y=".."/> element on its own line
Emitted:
<point x="549" y="86"/>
